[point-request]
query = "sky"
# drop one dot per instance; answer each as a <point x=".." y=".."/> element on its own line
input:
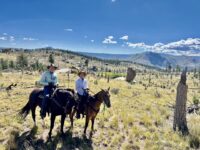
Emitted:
<point x="102" y="26"/>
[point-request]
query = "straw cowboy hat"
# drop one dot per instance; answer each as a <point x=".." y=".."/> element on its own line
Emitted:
<point x="82" y="72"/>
<point x="52" y="65"/>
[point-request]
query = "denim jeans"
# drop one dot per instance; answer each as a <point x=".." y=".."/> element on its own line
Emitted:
<point x="47" y="91"/>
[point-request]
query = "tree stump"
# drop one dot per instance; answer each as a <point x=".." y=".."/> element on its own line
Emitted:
<point x="180" y="107"/>
<point x="130" y="75"/>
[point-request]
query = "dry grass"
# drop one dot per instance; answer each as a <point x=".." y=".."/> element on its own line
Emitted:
<point x="135" y="121"/>
<point x="140" y="116"/>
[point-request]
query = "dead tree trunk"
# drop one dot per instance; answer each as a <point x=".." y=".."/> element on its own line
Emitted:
<point x="130" y="75"/>
<point x="180" y="107"/>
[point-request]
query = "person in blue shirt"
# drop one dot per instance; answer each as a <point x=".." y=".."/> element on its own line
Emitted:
<point x="82" y="92"/>
<point x="49" y="80"/>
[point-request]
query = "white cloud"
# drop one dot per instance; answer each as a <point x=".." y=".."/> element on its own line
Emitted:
<point x="45" y="45"/>
<point x="92" y="41"/>
<point x="69" y="30"/>
<point x="190" y="46"/>
<point x="109" y="40"/>
<point x="125" y="37"/>
<point x="29" y="39"/>
<point x="3" y="38"/>
<point x="113" y="1"/>
<point x="11" y="38"/>
<point x="138" y="45"/>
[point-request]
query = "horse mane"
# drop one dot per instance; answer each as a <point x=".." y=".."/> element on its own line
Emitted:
<point x="95" y="95"/>
<point x="71" y="90"/>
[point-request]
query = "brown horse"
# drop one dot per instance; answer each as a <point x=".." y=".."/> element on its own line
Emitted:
<point x="93" y="106"/>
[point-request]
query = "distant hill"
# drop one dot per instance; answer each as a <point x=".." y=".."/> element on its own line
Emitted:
<point x="162" y="60"/>
<point x="153" y="59"/>
<point x="108" y="56"/>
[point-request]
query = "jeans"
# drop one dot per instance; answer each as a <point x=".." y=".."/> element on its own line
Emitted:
<point x="47" y="93"/>
<point x="82" y="102"/>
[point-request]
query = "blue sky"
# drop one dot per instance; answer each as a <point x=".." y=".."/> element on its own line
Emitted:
<point x="108" y="26"/>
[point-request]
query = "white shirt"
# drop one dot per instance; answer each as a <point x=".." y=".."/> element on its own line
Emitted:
<point x="81" y="84"/>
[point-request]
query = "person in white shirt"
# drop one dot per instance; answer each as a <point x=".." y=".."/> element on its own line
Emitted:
<point x="82" y="91"/>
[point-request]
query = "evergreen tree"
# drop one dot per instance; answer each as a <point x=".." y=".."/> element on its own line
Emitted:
<point x="11" y="64"/>
<point x="4" y="64"/>
<point x="22" y="61"/>
<point x="51" y="58"/>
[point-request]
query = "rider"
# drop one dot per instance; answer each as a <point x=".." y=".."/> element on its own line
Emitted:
<point x="82" y="91"/>
<point x="49" y="80"/>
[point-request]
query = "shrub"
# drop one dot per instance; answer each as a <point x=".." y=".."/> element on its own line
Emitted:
<point x="96" y="82"/>
<point x="195" y="100"/>
<point x="115" y="91"/>
<point x="194" y="142"/>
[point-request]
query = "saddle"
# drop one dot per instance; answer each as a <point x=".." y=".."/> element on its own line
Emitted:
<point x="41" y="94"/>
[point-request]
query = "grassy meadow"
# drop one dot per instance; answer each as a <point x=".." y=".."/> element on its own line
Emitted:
<point x="141" y="115"/>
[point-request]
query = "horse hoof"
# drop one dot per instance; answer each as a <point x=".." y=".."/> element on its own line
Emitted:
<point x="91" y="134"/>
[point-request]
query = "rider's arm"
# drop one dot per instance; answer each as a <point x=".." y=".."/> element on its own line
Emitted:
<point x="43" y="79"/>
<point x="56" y="80"/>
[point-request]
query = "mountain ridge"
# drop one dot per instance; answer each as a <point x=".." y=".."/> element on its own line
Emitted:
<point x="160" y="60"/>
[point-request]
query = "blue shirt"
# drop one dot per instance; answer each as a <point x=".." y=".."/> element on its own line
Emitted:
<point x="48" y="77"/>
<point x="81" y="85"/>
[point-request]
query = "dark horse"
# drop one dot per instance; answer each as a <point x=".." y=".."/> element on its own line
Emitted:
<point x="93" y="106"/>
<point x="61" y="103"/>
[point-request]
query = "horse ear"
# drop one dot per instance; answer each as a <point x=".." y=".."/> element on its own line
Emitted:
<point x="108" y="89"/>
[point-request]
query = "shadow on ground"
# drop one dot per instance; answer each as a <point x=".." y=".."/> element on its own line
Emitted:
<point x="28" y="140"/>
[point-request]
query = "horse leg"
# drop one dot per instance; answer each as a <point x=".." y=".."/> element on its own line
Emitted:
<point x="86" y="123"/>
<point x="33" y="115"/>
<point x="62" y="123"/>
<point x="52" y="124"/>
<point x="92" y="127"/>
<point x="71" y="117"/>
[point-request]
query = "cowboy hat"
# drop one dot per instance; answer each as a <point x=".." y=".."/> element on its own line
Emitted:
<point x="52" y="65"/>
<point x="82" y="72"/>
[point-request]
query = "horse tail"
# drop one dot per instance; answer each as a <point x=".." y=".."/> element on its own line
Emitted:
<point x="25" y="110"/>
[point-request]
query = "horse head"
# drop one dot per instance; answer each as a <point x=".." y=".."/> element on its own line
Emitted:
<point x="106" y="97"/>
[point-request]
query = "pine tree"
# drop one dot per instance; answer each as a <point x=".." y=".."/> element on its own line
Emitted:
<point x="51" y="58"/>
<point x="11" y="64"/>
<point x="22" y="61"/>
